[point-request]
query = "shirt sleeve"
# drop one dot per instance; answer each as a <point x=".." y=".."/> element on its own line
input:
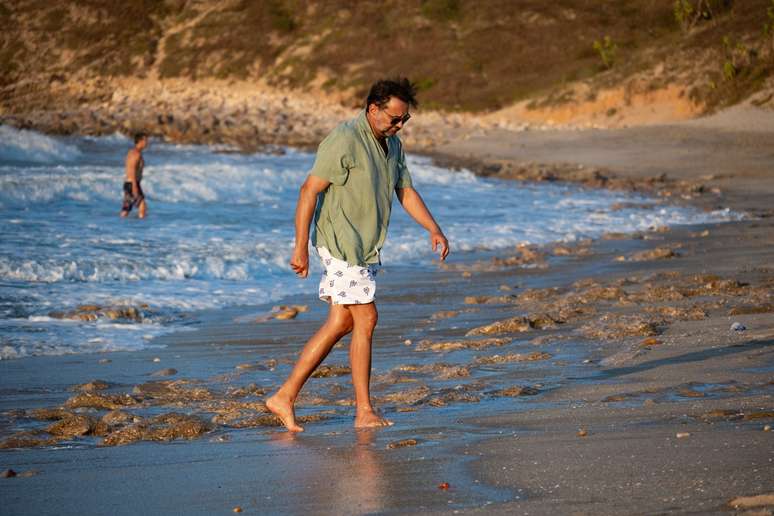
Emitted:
<point x="334" y="159"/>
<point x="404" y="176"/>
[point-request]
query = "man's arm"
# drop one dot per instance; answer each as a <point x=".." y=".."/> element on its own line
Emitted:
<point x="414" y="205"/>
<point x="132" y="159"/>
<point x="307" y="200"/>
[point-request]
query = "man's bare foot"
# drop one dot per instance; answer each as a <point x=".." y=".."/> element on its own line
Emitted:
<point x="283" y="409"/>
<point x="370" y="419"/>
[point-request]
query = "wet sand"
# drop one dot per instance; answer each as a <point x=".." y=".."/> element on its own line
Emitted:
<point x="601" y="377"/>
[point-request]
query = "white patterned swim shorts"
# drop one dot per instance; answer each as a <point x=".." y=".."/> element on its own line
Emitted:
<point x="346" y="284"/>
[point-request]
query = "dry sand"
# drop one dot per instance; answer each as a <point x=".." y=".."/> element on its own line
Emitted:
<point x="613" y="385"/>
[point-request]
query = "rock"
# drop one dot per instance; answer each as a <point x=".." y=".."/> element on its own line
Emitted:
<point x="251" y="367"/>
<point x="94" y="312"/>
<point x="659" y="253"/>
<point x="687" y="392"/>
<point x="767" y="428"/>
<point x="169" y="371"/>
<point x="331" y="371"/>
<point x="94" y="385"/>
<point x="427" y="345"/>
<point x="100" y="401"/>
<point x="650" y="341"/>
<point x="758" y="415"/>
<point x="682" y="435"/>
<point x="752" y="309"/>
<point x="48" y="414"/>
<point x="738" y="327"/>
<point x="28" y="439"/>
<point x="72" y="425"/>
<point x="248" y="390"/>
<point x="514" y="357"/>
<point x="402" y="444"/>
<point x="406" y="397"/>
<point x="117" y="417"/>
<point x="615" y="326"/>
<point x="582" y="432"/>
<point x="165" y="427"/>
<point x="237" y="509"/>
<point x="283" y="312"/>
<point x="172" y="391"/>
<point x="748" y="502"/>
<point x="8" y="473"/>
<point x="515" y="391"/>
<point x="512" y="325"/>
<point x="616" y="397"/>
<point x="488" y="300"/>
<point x="444" y="314"/>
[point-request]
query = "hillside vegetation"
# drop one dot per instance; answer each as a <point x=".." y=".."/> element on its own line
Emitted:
<point x="464" y="55"/>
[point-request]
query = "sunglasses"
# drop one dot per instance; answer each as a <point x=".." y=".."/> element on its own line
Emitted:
<point x="395" y="120"/>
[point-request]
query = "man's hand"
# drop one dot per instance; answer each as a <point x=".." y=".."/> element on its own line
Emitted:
<point x="300" y="262"/>
<point x="438" y="239"/>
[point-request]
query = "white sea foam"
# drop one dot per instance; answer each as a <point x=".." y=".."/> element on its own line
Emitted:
<point x="220" y="233"/>
<point x="33" y="147"/>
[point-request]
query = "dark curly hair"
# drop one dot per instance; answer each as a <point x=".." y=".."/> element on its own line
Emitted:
<point x="400" y="87"/>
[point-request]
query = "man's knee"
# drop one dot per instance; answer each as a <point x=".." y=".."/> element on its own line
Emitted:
<point x="341" y="322"/>
<point x="365" y="317"/>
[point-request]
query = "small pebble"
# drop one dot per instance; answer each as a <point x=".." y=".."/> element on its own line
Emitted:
<point x="237" y="509"/>
<point x="8" y="473"/>
<point x="444" y="486"/>
<point x="767" y="428"/>
<point x="583" y="432"/>
<point x="407" y="342"/>
<point x="737" y="326"/>
<point x="682" y="435"/>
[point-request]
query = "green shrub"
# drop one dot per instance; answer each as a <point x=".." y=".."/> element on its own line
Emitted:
<point x="607" y="51"/>
<point x="737" y="58"/>
<point x="441" y="10"/>
<point x="768" y="27"/>
<point x="688" y="13"/>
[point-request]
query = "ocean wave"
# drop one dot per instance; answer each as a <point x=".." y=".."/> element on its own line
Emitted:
<point x="33" y="147"/>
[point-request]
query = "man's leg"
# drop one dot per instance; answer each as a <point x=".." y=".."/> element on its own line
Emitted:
<point x="364" y="319"/>
<point x="338" y="324"/>
<point x="142" y="209"/>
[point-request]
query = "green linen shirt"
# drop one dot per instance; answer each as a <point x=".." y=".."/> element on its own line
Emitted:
<point x="353" y="213"/>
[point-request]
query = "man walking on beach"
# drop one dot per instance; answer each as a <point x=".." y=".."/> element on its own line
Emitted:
<point x="133" y="196"/>
<point x="349" y="193"/>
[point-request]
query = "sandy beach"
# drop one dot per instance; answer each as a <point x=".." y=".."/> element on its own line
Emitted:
<point x="595" y="378"/>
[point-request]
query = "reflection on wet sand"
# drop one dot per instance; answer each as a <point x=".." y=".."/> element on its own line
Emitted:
<point x="343" y="479"/>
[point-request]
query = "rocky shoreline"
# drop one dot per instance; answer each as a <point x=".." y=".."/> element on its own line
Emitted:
<point x="250" y="118"/>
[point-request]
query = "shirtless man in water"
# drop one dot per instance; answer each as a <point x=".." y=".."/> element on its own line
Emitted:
<point x="135" y="163"/>
<point x="347" y="197"/>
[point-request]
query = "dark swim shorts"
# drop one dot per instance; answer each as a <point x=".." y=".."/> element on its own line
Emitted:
<point x="129" y="199"/>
